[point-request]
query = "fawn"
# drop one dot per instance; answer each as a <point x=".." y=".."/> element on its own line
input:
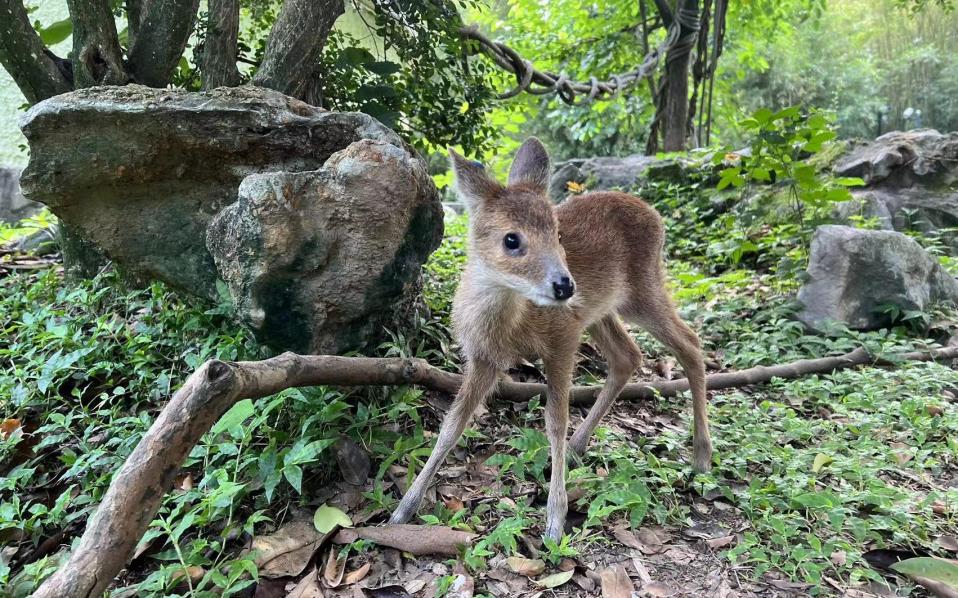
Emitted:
<point x="537" y="276"/>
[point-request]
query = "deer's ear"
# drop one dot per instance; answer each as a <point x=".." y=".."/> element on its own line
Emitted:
<point x="473" y="184"/>
<point x="531" y="166"/>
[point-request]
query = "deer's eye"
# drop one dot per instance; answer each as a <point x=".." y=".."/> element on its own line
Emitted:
<point x="511" y="241"/>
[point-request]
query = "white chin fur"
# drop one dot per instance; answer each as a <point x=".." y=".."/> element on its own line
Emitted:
<point x="545" y="301"/>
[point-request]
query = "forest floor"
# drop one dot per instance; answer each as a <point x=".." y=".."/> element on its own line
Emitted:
<point x="816" y="481"/>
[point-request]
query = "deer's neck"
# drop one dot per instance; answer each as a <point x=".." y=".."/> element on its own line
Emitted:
<point x="488" y="316"/>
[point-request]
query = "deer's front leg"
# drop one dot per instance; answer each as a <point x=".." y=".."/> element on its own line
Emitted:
<point x="480" y="380"/>
<point x="559" y="378"/>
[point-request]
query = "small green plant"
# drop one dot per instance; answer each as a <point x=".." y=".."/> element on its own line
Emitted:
<point x="778" y="154"/>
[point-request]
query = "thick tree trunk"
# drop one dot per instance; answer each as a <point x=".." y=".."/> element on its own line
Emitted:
<point x="675" y="105"/>
<point x="133" y="8"/>
<point x="137" y="490"/>
<point x="24" y="56"/>
<point x="97" y="58"/>
<point x="218" y="62"/>
<point x="165" y="27"/>
<point x="295" y="45"/>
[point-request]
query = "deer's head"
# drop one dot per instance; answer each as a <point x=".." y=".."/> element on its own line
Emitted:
<point x="513" y="231"/>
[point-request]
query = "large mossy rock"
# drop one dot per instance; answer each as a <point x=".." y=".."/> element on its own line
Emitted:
<point x="911" y="183"/>
<point x="321" y="260"/>
<point x="606" y="172"/>
<point x="855" y="274"/>
<point x="143" y="172"/>
<point x="903" y="158"/>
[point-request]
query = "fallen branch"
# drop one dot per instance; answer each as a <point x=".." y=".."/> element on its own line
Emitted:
<point x="138" y="487"/>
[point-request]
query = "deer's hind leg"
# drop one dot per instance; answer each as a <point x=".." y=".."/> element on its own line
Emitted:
<point x="653" y="309"/>
<point x="624" y="357"/>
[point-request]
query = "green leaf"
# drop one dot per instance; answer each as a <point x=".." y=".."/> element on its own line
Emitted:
<point x="55" y="33"/>
<point x="326" y="518"/>
<point x="850" y="181"/>
<point x="932" y="568"/>
<point x="555" y="580"/>
<point x="790" y="112"/>
<point x="762" y="116"/>
<point x="804" y="174"/>
<point x="236" y="415"/>
<point x="821" y="460"/>
<point x="355" y="56"/>
<point x="374" y="92"/>
<point x="294" y="475"/>
<point x="382" y="67"/>
<point x="839" y="194"/>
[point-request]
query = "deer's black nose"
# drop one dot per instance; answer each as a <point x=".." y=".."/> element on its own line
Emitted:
<point x="563" y="289"/>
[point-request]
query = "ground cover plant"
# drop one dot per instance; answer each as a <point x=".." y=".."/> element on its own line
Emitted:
<point x="813" y="477"/>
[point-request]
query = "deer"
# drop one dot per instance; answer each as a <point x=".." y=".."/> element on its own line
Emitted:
<point x="537" y="277"/>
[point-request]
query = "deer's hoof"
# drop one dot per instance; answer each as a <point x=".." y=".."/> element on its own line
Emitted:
<point x="702" y="460"/>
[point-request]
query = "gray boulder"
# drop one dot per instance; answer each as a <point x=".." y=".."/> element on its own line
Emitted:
<point x="14" y="207"/>
<point x="605" y="172"/>
<point x="143" y="172"/>
<point x="854" y="273"/>
<point x="323" y="260"/>
<point x="903" y="158"/>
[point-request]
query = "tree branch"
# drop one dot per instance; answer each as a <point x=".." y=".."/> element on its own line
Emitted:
<point x="665" y="11"/>
<point x="97" y="58"/>
<point x="296" y="43"/>
<point x="22" y="53"/>
<point x="137" y="489"/>
<point x="165" y="27"/>
<point x="218" y="61"/>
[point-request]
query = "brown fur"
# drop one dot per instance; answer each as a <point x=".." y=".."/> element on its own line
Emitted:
<point x="610" y="244"/>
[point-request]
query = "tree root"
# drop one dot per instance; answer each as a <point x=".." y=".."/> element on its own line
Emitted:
<point x="137" y="489"/>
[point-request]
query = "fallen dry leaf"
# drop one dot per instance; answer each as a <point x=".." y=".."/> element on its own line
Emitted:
<point x="185" y="482"/>
<point x="463" y="586"/>
<point x="195" y="573"/>
<point x="658" y="589"/>
<point x="352" y="459"/>
<point x="626" y="537"/>
<point x="567" y="564"/>
<point x="286" y="552"/>
<point x="616" y="583"/>
<point x="334" y="569"/>
<point x="705" y="531"/>
<point x="8" y="427"/>
<point x="948" y="543"/>
<point x="307" y="587"/>
<point x="388" y="592"/>
<point x="584" y="582"/>
<point x="788" y="585"/>
<point x="555" y="580"/>
<point x="454" y="504"/>
<point x="716" y="543"/>
<point x="414" y="539"/>
<point x="527" y="567"/>
<point x="357" y="575"/>
<point x="643" y="572"/>
<point x="414" y="586"/>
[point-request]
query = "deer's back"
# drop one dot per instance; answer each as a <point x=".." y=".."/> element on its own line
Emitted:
<point x="613" y="243"/>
